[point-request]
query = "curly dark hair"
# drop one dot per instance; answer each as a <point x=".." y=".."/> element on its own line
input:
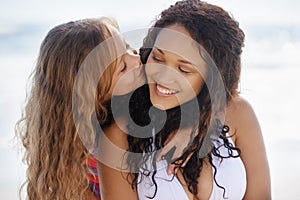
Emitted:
<point x="220" y="36"/>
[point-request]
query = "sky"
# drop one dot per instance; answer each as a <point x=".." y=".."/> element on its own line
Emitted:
<point x="136" y="11"/>
<point x="263" y="21"/>
<point x="270" y="60"/>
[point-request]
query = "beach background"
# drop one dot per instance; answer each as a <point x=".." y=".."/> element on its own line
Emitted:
<point x="270" y="72"/>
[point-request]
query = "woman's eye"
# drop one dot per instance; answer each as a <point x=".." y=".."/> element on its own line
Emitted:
<point x="156" y="59"/>
<point x="184" y="70"/>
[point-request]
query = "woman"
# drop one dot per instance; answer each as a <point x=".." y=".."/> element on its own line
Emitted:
<point x="59" y="162"/>
<point x="181" y="52"/>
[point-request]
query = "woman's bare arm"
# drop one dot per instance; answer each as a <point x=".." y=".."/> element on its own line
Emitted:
<point x="249" y="139"/>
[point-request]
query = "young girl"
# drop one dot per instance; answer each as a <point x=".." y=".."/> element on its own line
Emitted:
<point x="59" y="164"/>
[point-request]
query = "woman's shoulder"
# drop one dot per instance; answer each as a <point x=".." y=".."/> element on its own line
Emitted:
<point x="240" y="115"/>
<point x="249" y="139"/>
<point x="239" y="109"/>
<point x="239" y="104"/>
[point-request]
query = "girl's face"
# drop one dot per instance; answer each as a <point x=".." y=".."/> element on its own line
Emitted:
<point x="175" y="70"/>
<point x="128" y="74"/>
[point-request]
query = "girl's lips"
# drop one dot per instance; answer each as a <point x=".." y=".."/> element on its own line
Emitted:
<point x="141" y="73"/>
<point x="140" y="76"/>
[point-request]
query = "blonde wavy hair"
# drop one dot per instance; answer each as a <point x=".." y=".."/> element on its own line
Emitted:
<point x="54" y="152"/>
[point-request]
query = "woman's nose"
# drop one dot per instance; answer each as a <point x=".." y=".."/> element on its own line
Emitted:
<point x="166" y="76"/>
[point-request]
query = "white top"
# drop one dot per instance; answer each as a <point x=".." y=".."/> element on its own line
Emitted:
<point x="231" y="175"/>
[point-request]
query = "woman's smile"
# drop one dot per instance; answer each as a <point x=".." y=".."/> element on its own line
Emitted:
<point x="164" y="91"/>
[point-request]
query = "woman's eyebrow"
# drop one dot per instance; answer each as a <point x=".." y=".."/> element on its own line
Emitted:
<point x="186" y="62"/>
<point x="180" y="60"/>
<point x="158" y="49"/>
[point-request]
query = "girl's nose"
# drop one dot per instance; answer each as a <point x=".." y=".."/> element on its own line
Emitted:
<point x="132" y="59"/>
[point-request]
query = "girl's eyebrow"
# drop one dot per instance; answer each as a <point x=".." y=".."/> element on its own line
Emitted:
<point x="180" y="60"/>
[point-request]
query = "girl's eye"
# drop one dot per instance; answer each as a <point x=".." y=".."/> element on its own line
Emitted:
<point x="124" y="67"/>
<point x="184" y="70"/>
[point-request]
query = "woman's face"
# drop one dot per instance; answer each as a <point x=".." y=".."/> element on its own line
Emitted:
<point x="128" y="74"/>
<point x="174" y="69"/>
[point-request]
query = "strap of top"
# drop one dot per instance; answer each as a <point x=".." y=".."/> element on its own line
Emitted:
<point x="92" y="174"/>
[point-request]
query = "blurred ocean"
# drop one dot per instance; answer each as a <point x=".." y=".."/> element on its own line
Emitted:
<point x="269" y="75"/>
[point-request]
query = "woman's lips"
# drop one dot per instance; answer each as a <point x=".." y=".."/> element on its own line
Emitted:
<point x="164" y="91"/>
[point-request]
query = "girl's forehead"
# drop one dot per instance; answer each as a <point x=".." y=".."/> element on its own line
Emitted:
<point x="117" y="39"/>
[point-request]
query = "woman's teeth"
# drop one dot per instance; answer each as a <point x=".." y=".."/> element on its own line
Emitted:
<point x="164" y="90"/>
